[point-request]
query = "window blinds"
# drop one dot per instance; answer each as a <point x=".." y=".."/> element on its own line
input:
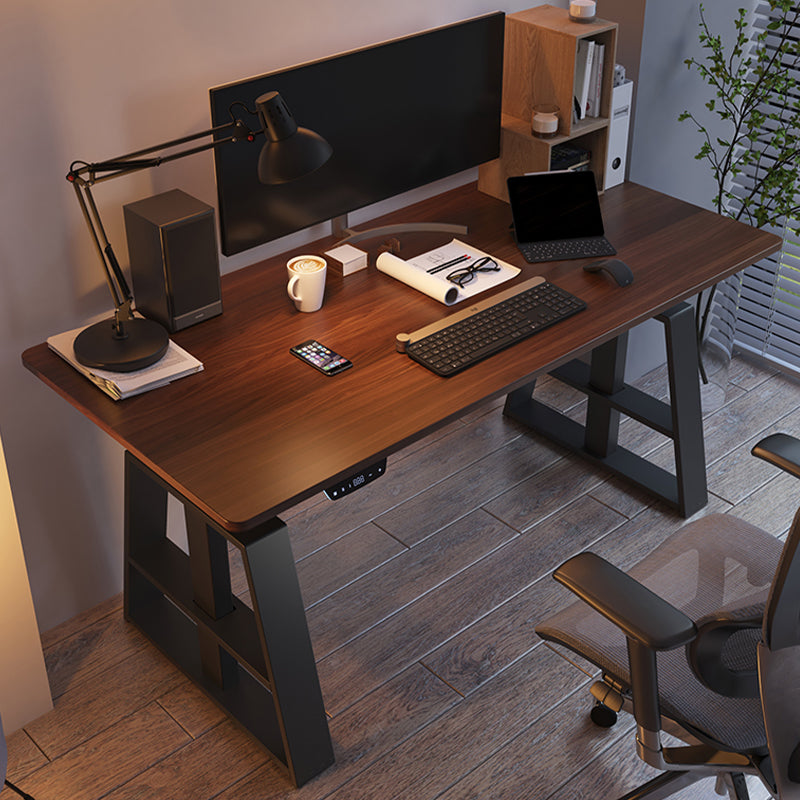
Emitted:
<point x="758" y="310"/>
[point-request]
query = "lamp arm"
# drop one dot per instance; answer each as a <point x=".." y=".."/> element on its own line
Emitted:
<point x="131" y="162"/>
<point x="115" y="278"/>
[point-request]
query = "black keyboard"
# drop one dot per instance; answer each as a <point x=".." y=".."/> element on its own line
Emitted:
<point x="558" y="249"/>
<point x="491" y="325"/>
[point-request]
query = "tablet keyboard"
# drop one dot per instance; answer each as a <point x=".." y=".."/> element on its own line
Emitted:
<point x="558" y="249"/>
<point x="486" y="327"/>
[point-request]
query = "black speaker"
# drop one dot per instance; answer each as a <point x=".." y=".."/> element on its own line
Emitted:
<point x="172" y="244"/>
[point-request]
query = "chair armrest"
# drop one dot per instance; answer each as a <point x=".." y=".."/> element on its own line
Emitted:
<point x="781" y="450"/>
<point x="641" y="614"/>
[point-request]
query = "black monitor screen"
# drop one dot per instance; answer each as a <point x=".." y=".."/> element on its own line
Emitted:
<point x="398" y="115"/>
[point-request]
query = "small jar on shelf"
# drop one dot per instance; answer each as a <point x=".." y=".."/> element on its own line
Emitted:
<point x="544" y="120"/>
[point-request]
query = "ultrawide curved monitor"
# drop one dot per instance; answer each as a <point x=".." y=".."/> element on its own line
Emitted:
<point x="399" y="115"/>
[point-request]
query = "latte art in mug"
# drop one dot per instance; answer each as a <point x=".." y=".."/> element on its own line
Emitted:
<point x="306" y="281"/>
<point x="306" y="264"/>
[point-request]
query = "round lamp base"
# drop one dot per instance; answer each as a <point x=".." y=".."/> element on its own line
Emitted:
<point x="98" y="346"/>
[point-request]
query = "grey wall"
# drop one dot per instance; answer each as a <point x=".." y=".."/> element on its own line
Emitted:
<point x="663" y="149"/>
<point x="654" y="40"/>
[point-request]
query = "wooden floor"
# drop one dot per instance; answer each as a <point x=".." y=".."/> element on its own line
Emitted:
<point x="423" y="590"/>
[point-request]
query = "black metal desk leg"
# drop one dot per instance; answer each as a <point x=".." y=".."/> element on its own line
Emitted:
<point x="687" y="415"/>
<point x="519" y="399"/>
<point x="607" y="375"/>
<point x="145" y="529"/>
<point x="608" y="397"/>
<point x="281" y="622"/>
<point x="211" y="584"/>
<point x="256" y="663"/>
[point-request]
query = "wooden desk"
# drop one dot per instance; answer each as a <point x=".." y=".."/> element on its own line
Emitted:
<point x="257" y="431"/>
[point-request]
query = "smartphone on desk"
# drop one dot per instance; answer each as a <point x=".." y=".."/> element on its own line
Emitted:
<point x="320" y="357"/>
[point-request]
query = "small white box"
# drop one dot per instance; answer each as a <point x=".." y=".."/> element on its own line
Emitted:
<point x="346" y="259"/>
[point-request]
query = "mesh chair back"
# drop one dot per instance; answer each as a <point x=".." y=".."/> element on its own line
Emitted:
<point x="779" y="668"/>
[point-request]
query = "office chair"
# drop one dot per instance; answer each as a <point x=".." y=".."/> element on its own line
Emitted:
<point x="701" y="641"/>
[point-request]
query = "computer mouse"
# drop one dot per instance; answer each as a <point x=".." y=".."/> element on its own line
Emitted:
<point x="618" y="270"/>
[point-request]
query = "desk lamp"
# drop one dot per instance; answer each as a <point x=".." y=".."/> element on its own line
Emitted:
<point x="127" y="343"/>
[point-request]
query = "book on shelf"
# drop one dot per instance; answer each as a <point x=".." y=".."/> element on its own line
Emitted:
<point x="595" y="81"/>
<point x="569" y="156"/>
<point x="176" y="363"/>
<point x="583" y="71"/>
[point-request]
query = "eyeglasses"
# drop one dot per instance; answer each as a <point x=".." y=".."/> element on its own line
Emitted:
<point x="461" y="277"/>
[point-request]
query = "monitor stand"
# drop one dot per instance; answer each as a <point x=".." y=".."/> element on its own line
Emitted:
<point x="347" y="235"/>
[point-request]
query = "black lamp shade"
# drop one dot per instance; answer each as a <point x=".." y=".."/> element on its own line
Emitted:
<point x="290" y="152"/>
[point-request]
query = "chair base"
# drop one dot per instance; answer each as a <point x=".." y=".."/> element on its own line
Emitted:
<point x="667" y="784"/>
<point x="664" y="785"/>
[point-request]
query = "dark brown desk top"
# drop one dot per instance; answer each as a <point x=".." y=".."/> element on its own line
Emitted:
<point x="257" y="430"/>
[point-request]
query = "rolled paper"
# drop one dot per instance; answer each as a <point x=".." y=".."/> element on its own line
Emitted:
<point x="418" y="279"/>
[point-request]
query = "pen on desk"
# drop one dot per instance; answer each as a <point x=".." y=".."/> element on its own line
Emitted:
<point x="451" y="263"/>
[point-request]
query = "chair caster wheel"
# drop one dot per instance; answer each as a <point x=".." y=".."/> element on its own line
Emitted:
<point x="603" y="716"/>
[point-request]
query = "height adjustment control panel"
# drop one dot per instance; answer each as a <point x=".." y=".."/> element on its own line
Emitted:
<point x="356" y="481"/>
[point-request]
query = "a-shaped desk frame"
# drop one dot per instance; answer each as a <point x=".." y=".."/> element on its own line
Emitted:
<point x="257" y="431"/>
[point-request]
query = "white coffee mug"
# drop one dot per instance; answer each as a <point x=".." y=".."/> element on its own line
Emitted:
<point x="307" y="282"/>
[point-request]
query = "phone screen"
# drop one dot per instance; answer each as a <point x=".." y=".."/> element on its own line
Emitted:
<point x="320" y="357"/>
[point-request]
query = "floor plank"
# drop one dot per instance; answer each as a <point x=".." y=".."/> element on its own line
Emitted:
<point x="468" y="488"/>
<point x="108" y="760"/>
<point x="545" y="493"/>
<point x="345" y="560"/>
<point x="24" y="756"/>
<point x="326" y="522"/>
<point x="418" y="628"/>
<point x="482" y="650"/>
<point x="200" y="770"/>
<point x="361" y="605"/>
<point x="486" y="721"/>
<point x="85" y="654"/>
<point x="189" y="706"/>
<point x="749" y="415"/>
<point x="362" y="735"/>
<point x="101" y="702"/>
<point x="534" y="762"/>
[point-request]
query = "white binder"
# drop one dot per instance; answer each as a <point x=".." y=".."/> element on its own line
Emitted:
<point x="619" y="125"/>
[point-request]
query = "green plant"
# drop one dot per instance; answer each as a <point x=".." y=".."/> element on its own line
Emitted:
<point x="757" y="103"/>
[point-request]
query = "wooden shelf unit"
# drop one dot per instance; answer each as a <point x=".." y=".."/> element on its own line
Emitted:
<point x="541" y="45"/>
